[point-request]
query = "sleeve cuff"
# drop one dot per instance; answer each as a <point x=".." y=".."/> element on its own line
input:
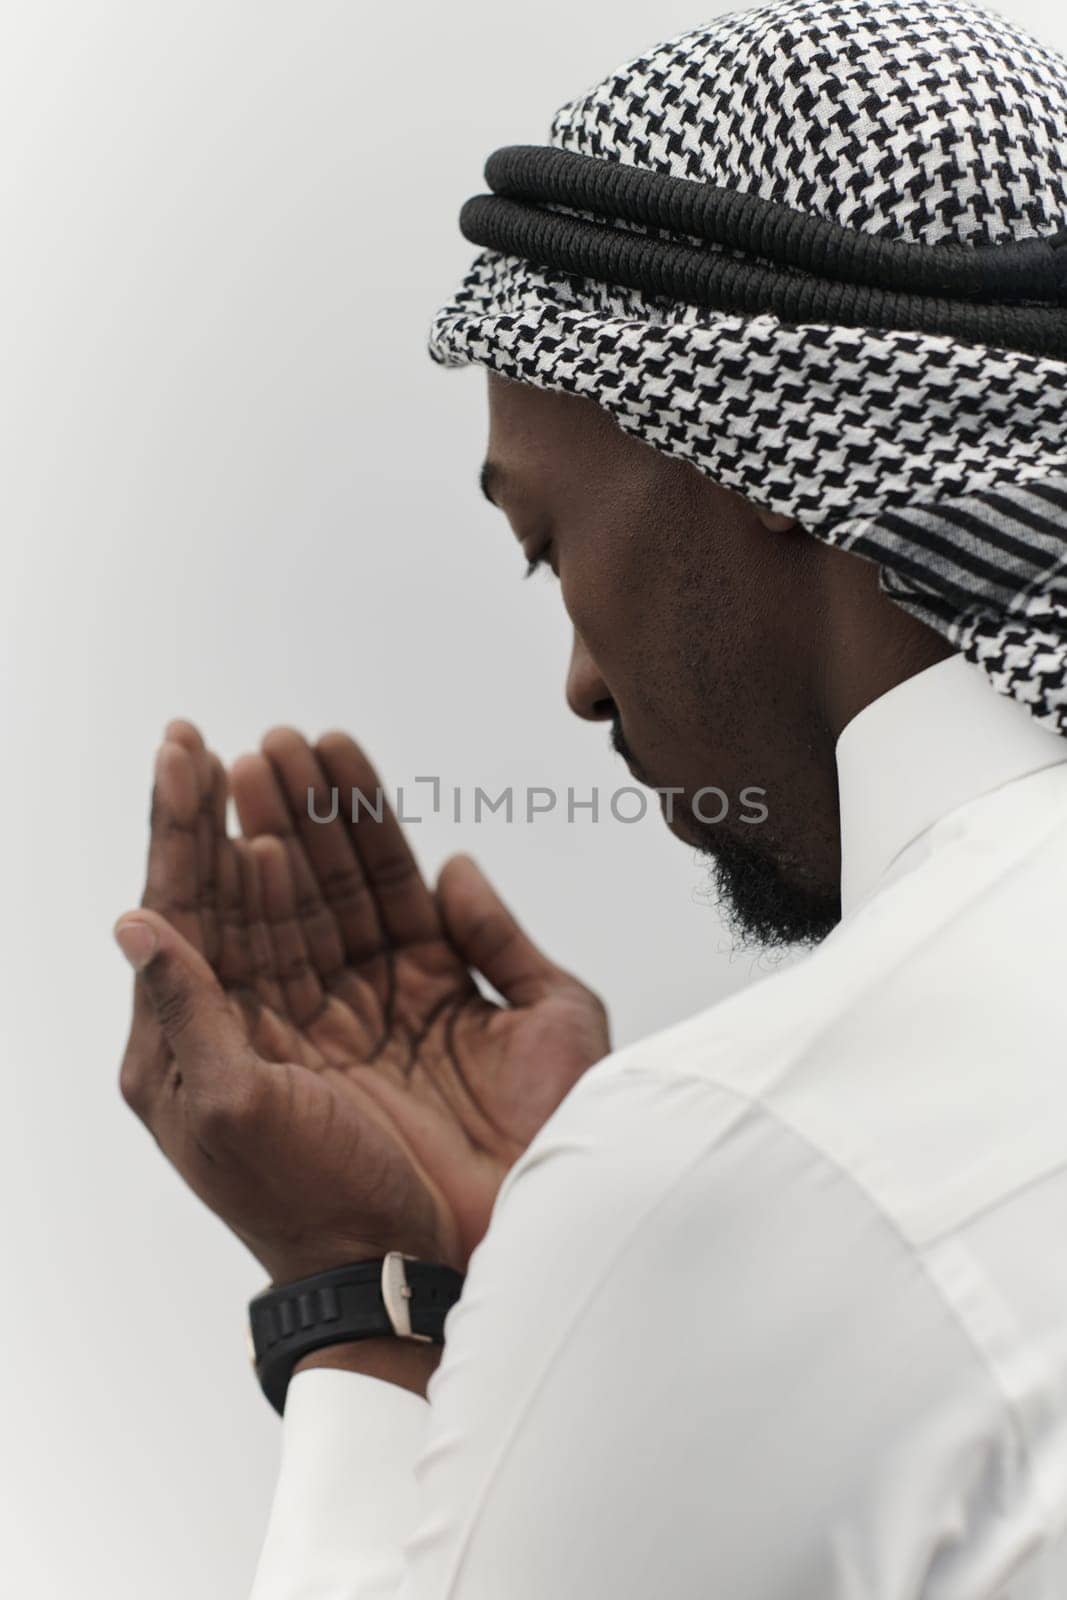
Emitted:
<point x="346" y="1495"/>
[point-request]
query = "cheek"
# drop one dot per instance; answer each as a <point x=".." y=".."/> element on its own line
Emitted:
<point x="628" y="627"/>
<point x="607" y="596"/>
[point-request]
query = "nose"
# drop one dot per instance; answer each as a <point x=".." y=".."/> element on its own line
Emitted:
<point x="587" y="694"/>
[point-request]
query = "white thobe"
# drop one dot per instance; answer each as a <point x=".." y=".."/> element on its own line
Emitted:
<point x="774" y="1307"/>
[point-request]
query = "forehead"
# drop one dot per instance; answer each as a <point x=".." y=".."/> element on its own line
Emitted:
<point x="550" y="449"/>
<point x="526" y="420"/>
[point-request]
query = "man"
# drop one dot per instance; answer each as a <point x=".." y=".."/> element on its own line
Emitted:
<point x="771" y="1306"/>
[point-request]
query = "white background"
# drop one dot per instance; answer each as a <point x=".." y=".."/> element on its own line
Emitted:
<point x="236" y="489"/>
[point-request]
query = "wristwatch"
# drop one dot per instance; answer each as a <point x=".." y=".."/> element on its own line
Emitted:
<point x="396" y="1297"/>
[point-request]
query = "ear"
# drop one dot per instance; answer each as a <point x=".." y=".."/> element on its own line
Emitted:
<point x="775" y="521"/>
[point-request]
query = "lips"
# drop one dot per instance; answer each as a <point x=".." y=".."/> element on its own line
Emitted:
<point x="621" y="748"/>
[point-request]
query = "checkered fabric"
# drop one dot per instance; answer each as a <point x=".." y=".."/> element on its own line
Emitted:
<point x="944" y="462"/>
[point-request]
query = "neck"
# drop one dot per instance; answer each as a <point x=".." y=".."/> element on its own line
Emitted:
<point x="872" y="644"/>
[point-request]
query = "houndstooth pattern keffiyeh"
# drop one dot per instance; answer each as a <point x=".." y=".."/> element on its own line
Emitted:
<point x="943" y="461"/>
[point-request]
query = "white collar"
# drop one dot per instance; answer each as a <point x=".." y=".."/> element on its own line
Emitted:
<point x="929" y="745"/>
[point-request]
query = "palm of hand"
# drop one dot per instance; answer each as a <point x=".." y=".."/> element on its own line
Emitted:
<point x="384" y="1097"/>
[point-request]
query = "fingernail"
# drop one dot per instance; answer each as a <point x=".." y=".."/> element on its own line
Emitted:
<point x="137" y="941"/>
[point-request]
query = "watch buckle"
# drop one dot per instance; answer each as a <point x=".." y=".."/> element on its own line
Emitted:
<point x="397" y="1293"/>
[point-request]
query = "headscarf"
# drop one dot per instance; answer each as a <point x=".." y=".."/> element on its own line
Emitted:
<point x="818" y="249"/>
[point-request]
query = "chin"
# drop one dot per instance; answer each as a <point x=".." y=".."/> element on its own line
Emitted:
<point x="768" y="897"/>
<point x="706" y="837"/>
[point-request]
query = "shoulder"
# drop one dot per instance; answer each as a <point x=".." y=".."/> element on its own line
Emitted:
<point x="914" y="1050"/>
<point x="689" y="1311"/>
<point x="804" y="1247"/>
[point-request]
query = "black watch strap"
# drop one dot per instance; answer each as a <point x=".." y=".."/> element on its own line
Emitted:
<point x="394" y="1297"/>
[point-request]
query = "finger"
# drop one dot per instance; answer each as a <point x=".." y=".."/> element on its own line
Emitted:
<point x="303" y="996"/>
<point x="181" y="869"/>
<point x="301" y="791"/>
<point x="233" y="956"/>
<point x="210" y="829"/>
<point x="407" y="911"/>
<point x="207" y="1054"/>
<point x="264" y="811"/>
<point x="179" y="731"/>
<point x="212" y="844"/>
<point x="309" y="795"/>
<point x="259" y="951"/>
<point x="172" y="878"/>
<point x="147" y="1055"/>
<point x="487" y="936"/>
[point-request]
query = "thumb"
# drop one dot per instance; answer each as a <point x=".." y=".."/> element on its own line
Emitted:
<point x="487" y="936"/>
<point x="183" y="996"/>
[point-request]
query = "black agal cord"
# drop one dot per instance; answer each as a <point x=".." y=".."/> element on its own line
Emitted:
<point x="798" y="267"/>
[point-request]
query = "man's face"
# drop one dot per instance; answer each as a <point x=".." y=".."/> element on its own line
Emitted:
<point x="696" y="628"/>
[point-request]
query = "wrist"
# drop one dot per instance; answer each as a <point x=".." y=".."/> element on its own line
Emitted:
<point x="409" y="1363"/>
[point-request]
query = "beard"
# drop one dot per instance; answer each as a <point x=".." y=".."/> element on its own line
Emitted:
<point x="767" y="899"/>
<point x="761" y="907"/>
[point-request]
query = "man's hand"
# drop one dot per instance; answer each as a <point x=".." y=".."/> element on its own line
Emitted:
<point x="309" y="1047"/>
